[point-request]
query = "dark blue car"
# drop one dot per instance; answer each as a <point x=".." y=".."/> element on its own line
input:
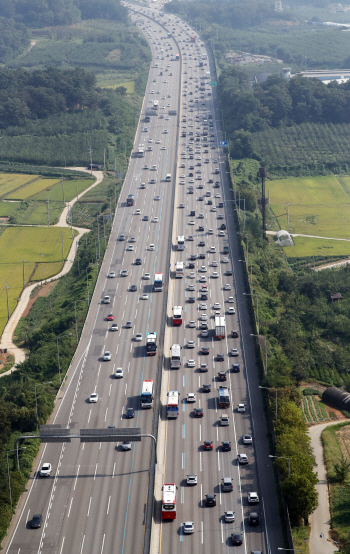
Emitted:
<point x="130" y="413"/>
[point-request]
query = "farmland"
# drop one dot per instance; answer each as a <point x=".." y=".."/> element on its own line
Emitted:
<point x="306" y="247"/>
<point x="37" y="246"/>
<point x="71" y="188"/>
<point x="12" y="181"/>
<point x="31" y="189"/>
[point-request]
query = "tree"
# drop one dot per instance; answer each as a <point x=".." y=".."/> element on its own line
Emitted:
<point x="301" y="497"/>
<point x="342" y="469"/>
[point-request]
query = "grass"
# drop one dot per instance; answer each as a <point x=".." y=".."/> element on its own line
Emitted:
<point x="300" y="538"/>
<point x="32" y="189"/>
<point x="307" y="247"/>
<point x="35" y="213"/>
<point x="307" y="191"/>
<point x="129" y="85"/>
<point x="45" y="271"/>
<point x="12" y="181"/>
<point x="71" y="187"/>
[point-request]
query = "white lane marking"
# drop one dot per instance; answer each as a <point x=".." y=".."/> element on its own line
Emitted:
<point x="113" y="470"/>
<point x="128" y="367"/>
<point x="106" y="413"/>
<point x="82" y="544"/>
<point x="70" y="507"/>
<point x="218" y="460"/>
<point x="95" y="471"/>
<point x="200" y="432"/>
<point x="88" y="512"/>
<point x="202" y="531"/>
<point x="109" y="501"/>
<point x="200" y="461"/>
<point x="75" y="482"/>
<point x="103" y="543"/>
<point x="222" y="532"/>
<point x="61" y="546"/>
<point x="89" y="416"/>
<point x="110" y="388"/>
<point x="27" y="519"/>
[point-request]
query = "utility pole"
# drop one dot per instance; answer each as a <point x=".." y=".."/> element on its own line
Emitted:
<point x="90" y="150"/>
<point x="287" y="204"/>
<point x="62" y="190"/>
<point x="48" y="212"/>
<point x="77" y="255"/>
<point x="244" y="215"/>
<point x="7" y="296"/>
<point x="126" y="165"/>
<point x="62" y="246"/>
<point x="98" y="238"/>
<point x="24" y="282"/>
<point x="262" y="173"/>
<point x="87" y="284"/>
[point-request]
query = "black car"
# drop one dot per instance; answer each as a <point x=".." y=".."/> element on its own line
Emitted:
<point x="203" y="296"/>
<point x="205" y="350"/>
<point x="220" y="357"/>
<point x="201" y="243"/>
<point x="191" y="265"/>
<point x="236" y="539"/>
<point x="226" y="446"/>
<point x="236" y="368"/>
<point x="210" y="181"/>
<point x="138" y="261"/>
<point x="201" y="256"/>
<point x="254" y="518"/>
<point x="145" y="218"/>
<point x="36" y="521"/>
<point x="129" y="413"/>
<point x="191" y="299"/>
<point x="206" y="387"/>
<point x="209" y="202"/>
<point x="210" y="500"/>
<point x="217" y="184"/>
<point x="201" y="228"/>
<point x="198" y="412"/>
<point x="229" y="272"/>
<point x="235" y="334"/>
<point x="222" y="376"/>
<point x="133" y="288"/>
<point x="190" y="174"/>
<point x="193" y="257"/>
<point x="223" y="226"/>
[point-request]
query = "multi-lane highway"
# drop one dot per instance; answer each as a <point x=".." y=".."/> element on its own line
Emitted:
<point x="96" y="498"/>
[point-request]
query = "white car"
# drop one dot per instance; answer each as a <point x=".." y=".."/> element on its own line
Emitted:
<point x="227" y="287"/>
<point x="188" y="527"/>
<point x="158" y="141"/>
<point x="230" y="299"/>
<point x="204" y="317"/>
<point x="225" y="260"/>
<point x="93" y="398"/>
<point x="107" y="356"/>
<point x="111" y="274"/>
<point x="247" y="439"/>
<point x="144" y="296"/>
<point x="203" y="307"/>
<point x="107" y="300"/>
<point x="114" y="327"/>
<point x="201" y="216"/>
<point x="147" y="276"/>
<point x="242" y="459"/>
<point x="215" y="275"/>
<point x="119" y="373"/>
<point x="138" y="212"/>
<point x="205" y="333"/>
<point x="231" y="310"/>
<point x="203" y="279"/>
<point x="191" y="222"/>
<point x="154" y="168"/>
<point x="130" y="247"/>
<point x="157" y="197"/>
<point x="214" y="263"/>
<point x="234" y="352"/>
<point x="217" y="306"/>
<point x="132" y="239"/>
<point x="126" y="445"/>
<point x="46" y="470"/>
<point x="203" y="268"/>
<point x="221" y="233"/>
<point x="138" y="337"/>
<point x="190" y="237"/>
<point x="191" y="363"/>
<point x="163" y="148"/>
<point x="229" y="516"/>
<point x="190" y="344"/>
<point x="212" y="249"/>
<point x="210" y="231"/>
<point x="191" y="287"/>
<point x="191" y="397"/>
<point x="241" y="408"/>
<point x="151" y="247"/>
<point x="192" y="324"/>
<point x="192" y="479"/>
<point x="192" y="275"/>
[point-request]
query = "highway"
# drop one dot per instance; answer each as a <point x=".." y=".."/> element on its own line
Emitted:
<point x="96" y="498"/>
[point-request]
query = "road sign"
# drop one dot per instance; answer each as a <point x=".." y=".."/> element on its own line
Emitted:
<point x="213" y="83"/>
<point x="223" y="143"/>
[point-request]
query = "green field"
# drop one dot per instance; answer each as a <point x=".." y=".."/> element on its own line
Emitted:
<point x="317" y="205"/>
<point x="71" y="187"/>
<point x="45" y="271"/>
<point x="12" y="181"/>
<point x="38" y="246"/>
<point x="32" y="188"/>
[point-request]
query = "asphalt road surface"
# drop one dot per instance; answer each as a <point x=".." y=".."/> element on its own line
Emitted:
<point x="96" y="498"/>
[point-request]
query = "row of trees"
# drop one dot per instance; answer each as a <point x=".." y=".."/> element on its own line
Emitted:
<point x="14" y="38"/>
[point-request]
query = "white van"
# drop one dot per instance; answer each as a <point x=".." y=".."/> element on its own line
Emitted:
<point x="224" y="421"/>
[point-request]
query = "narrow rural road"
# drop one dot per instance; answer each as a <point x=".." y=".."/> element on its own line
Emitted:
<point x="309" y="236"/>
<point x="320" y="519"/>
<point x="8" y="332"/>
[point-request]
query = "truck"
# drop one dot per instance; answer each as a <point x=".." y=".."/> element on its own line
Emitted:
<point x="177" y="57"/>
<point x="130" y="200"/>
<point x="172" y="112"/>
<point x="220" y="327"/>
<point x="193" y="38"/>
<point x="224" y="397"/>
<point x="140" y="151"/>
<point x="151" y="344"/>
<point x="226" y="249"/>
<point x="200" y="64"/>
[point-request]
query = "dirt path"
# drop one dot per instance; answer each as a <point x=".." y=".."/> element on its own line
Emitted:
<point x="8" y="332"/>
<point x="311" y="236"/>
<point x="320" y="519"/>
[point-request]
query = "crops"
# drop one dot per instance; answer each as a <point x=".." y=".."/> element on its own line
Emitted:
<point x="31" y="189"/>
<point x="314" y="411"/>
<point x="12" y="181"/>
<point x="306" y="247"/>
<point x="71" y="187"/>
<point x="45" y="271"/>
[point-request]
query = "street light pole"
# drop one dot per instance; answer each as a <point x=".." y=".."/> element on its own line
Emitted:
<point x="271" y="388"/>
<point x="75" y="313"/>
<point x="36" y="402"/>
<point x="265" y="348"/>
<point x="293" y="549"/>
<point x="58" y="352"/>
<point x="257" y="306"/>
<point x="284" y="458"/>
<point x="8" y="468"/>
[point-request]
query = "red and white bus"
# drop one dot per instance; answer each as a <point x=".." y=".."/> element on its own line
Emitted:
<point x="172" y="410"/>
<point x="175" y="360"/>
<point x="181" y="242"/>
<point x="177" y="315"/>
<point x="169" y="501"/>
<point x="179" y="270"/>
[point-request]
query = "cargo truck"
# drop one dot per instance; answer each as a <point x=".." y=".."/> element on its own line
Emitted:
<point x="220" y="327"/>
<point x="224" y="397"/>
<point x="130" y="200"/>
<point x="151" y="344"/>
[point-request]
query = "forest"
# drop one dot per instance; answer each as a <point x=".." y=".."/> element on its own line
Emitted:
<point x="14" y="38"/>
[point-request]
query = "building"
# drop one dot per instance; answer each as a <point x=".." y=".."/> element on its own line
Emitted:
<point x="326" y="76"/>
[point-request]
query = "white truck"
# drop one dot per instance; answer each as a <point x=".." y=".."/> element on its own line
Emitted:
<point x="220" y="327"/>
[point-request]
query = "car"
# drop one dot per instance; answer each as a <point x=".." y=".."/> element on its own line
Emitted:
<point x="228" y="272"/>
<point x="225" y="260"/>
<point x="210" y="500"/>
<point x="226" y="446"/>
<point x="36" y="521"/>
<point x="220" y="357"/>
<point x="231" y="310"/>
<point x="216" y="306"/>
<point x="129" y="413"/>
<point x="203" y="368"/>
<point x="242" y="459"/>
<point x="214" y="263"/>
<point x="130" y="248"/>
<point x="226" y="484"/>
<point x="191" y="265"/>
<point x="128" y="325"/>
<point x="110" y="317"/>
<point x="114" y="327"/>
<point x="234" y="352"/>
<point x="144" y="296"/>
<point x="145" y="218"/>
<point x="254" y="518"/>
<point x="181" y="205"/>
<point x="220" y="216"/>
<point x="132" y="239"/>
<point x="241" y="408"/>
<point x="208" y="445"/>
<point x="143" y="186"/>
<point x="253" y="498"/>
<point x="191" y="363"/>
<point x="119" y="373"/>
<point x="111" y="274"/>
<point x="191" y="299"/>
<point x="205" y="351"/>
<point x="192" y="479"/>
<point x="138" y="337"/>
<point x="124" y="273"/>
<point x="201" y="216"/>
<point x="93" y="398"/>
<point x="191" y="287"/>
<point x="203" y="307"/>
<point x="203" y="317"/>
<point x="235" y="368"/>
<point x="138" y="211"/>
<point x="204" y="333"/>
<point x="203" y="324"/>
<point x="192" y="325"/>
<point x="203" y="268"/>
<point x="247" y="439"/>
<point x="133" y="288"/>
<point x="200" y="228"/>
<point x="188" y="527"/>
<point x="206" y="387"/>
<point x="126" y="445"/>
<point x="198" y="412"/>
<point x="234" y="334"/>
<point x="151" y="247"/>
<point x="107" y="356"/>
<point x="222" y="376"/>
<point x="201" y="256"/>
<point x="191" y="222"/>
<point x="227" y="286"/>
<point x="107" y="300"/>
<point x="121" y="237"/>
<point x="147" y="276"/>
<point x="201" y="243"/>
<point x="236" y="539"/>
<point x="191" y="397"/>
<point x="46" y="470"/>
<point x="192" y="275"/>
<point x="193" y="257"/>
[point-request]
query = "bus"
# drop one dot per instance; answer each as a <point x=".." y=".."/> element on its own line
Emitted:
<point x="179" y="272"/>
<point x="177" y="315"/>
<point x="175" y="359"/>
<point x="141" y="151"/>
<point x="172" y="409"/>
<point x="169" y="501"/>
<point x="155" y="105"/>
<point x="207" y="74"/>
<point x="147" y="394"/>
<point x="181" y="242"/>
<point x="158" y="282"/>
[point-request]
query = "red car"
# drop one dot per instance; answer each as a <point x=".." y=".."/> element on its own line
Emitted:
<point x="110" y="317"/>
<point x="208" y="445"/>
